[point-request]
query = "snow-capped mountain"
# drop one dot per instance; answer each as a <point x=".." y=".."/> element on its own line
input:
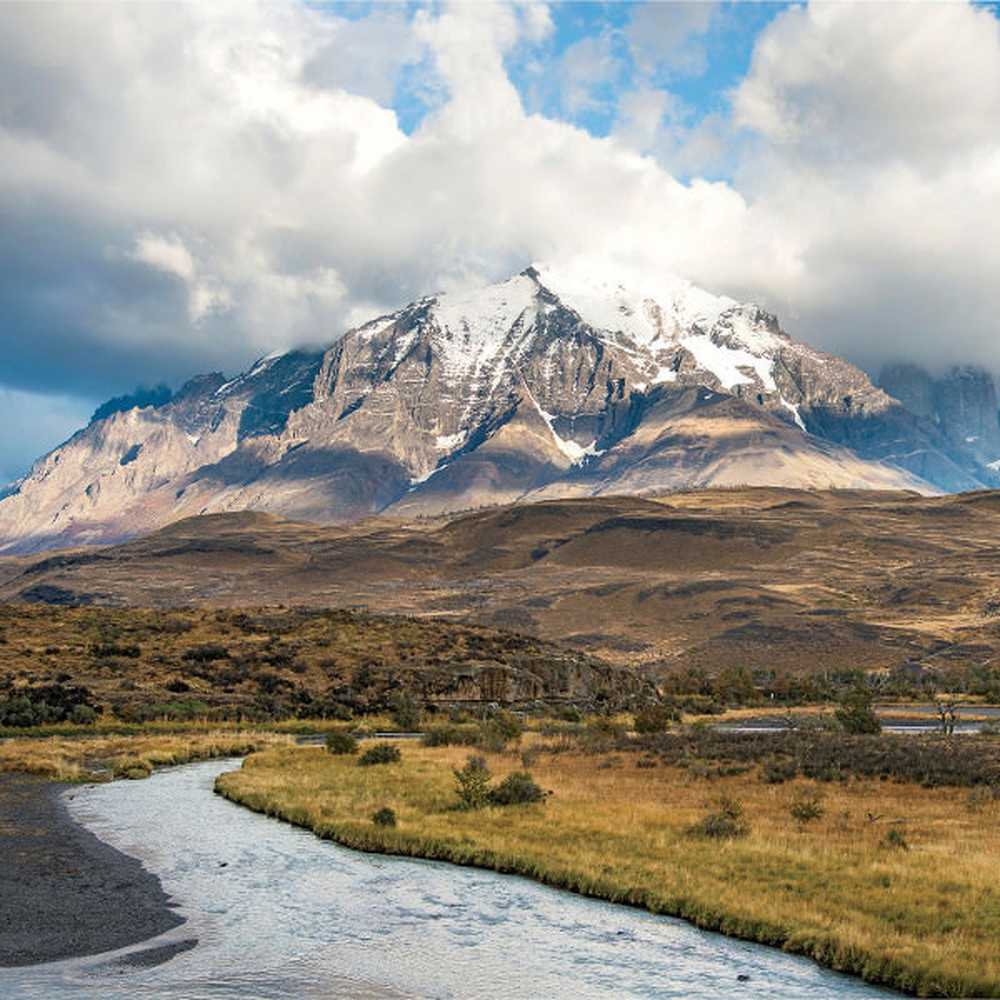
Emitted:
<point x="961" y="403"/>
<point x="555" y="382"/>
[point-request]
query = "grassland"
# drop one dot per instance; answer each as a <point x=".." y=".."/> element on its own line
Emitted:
<point x="792" y="585"/>
<point x="918" y="909"/>
<point x="101" y="758"/>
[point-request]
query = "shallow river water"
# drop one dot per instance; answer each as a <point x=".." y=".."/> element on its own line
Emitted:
<point x="276" y="912"/>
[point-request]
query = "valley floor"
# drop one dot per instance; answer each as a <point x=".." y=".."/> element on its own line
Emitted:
<point x="893" y="882"/>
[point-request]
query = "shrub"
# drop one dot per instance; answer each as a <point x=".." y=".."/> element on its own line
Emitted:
<point x="516" y="789"/>
<point x="381" y="753"/>
<point x="82" y="715"/>
<point x="451" y="735"/>
<point x="777" y="772"/>
<point x="806" y="807"/>
<point x="855" y="713"/>
<point x="499" y="730"/>
<point x="725" y="822"/>
<point x="100" y="650"/>
<point x="206" y="653"/>
<point x="656" y="718"/>
<point x="601" y="735"/>
<point x="339" y="742"/>
<point x="384" y="817"/>
<point x="473" y="782"/>
<point x="41" y="704"/>
<point x="405" y="712"/>
<point x="895" y="840"/>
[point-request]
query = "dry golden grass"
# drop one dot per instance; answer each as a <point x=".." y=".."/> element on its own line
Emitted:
<point x="924" y="919"/>
<point x="102" y="757"/>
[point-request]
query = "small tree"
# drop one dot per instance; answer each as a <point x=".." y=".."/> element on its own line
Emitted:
<point x="405" y="712"/>
<point x="856" y="714"/>
<point x="473" y="783"/>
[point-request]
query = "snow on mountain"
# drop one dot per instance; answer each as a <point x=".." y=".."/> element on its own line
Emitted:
<point x="562" y="380"/>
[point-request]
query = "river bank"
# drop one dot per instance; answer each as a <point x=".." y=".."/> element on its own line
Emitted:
<point x="65" y="892"/>
<point x="879" y="884"/>
<point x="280" y="913"/>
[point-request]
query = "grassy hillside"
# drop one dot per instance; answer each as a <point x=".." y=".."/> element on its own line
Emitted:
<point x="777" y="582"/>
<point x="140" y="664"/>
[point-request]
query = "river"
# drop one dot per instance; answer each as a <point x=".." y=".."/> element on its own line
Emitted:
<point x="278" y="913"/>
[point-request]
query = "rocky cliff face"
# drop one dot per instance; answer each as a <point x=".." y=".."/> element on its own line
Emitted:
<point x="554" y="382"/>
<point x="962" y="404"/>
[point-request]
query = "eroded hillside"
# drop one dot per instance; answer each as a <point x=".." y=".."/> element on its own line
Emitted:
<point x="770" y="579"/>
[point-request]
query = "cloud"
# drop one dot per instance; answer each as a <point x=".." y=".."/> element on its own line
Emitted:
<point x="876" y="155"/>
<point x="866" y="83"/>
<point x="202" y="184"/>
<point x="667" y="39"/>
<point x="586" y="71"/>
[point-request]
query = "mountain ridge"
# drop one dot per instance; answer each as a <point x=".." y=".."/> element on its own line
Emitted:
<point x="554" y="382"/>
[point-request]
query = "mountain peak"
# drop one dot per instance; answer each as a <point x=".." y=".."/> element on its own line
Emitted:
<point x="566" y="379"/>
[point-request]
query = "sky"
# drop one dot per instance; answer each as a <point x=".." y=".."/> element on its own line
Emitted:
<point x="185" y="188"/>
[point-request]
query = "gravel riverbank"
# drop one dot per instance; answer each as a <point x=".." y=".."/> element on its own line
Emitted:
<point x="64" y="892"/>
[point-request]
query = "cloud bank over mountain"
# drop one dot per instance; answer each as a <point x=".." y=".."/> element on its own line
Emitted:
<point x="187" y="187"/>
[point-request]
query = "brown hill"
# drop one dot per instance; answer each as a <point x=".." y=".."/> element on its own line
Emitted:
<point x="771" y="579"/>
<point x="279" y="662"/>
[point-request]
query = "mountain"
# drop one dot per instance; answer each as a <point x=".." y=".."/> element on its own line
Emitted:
<point x="962" y="403"/>
<point x="557" y="382"/>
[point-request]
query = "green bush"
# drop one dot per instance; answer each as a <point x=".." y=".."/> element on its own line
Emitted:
<point x="381" y="753"/>
<point x="82" y="715"/>
<point x="516" y="789"/>
<point x="895" y="840"/>
<point x="725" y="822"/>
<point x="855" y="713"/>
<point x="44" y="704"/>
<point x="473" y="782"/>
<point x="405" y="713"/>
<point x="777" y="772"/>
<point x="384" y="817"/>
<point x="339" y="742"/>
<point x="656" y="718"/>
<point x="451" y="735"/>
<point x="806" y="807"/>
<point x="498" y="731"/>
